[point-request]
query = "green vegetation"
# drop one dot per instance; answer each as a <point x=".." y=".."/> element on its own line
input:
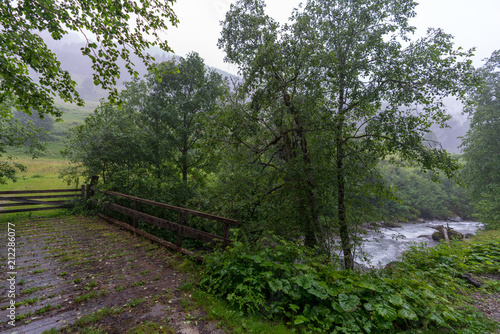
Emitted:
<point x="90" y="295"/>
<point x="24" y="52"/>
<point x="283" y="281"/>
<point x="92" y="318"/>
<point x="482" y="148"/>
<point x="152" y="146"/>
<point x="328" y="129"/>
<point x="26" y="49"/>
<point x="418" y="195"/>
<point x="331" y="94"/>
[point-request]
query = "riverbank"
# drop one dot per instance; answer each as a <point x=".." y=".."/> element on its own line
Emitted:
<point x="427" y="292"/>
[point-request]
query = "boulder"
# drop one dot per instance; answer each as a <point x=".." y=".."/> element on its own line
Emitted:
<point x="393" y="264"/>
<point x="389" y="224"/>
<point x="452" y="234"/>
<point x="455" y="219"/>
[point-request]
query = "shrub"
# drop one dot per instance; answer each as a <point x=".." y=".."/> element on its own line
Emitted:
<point x="284" y="281"/>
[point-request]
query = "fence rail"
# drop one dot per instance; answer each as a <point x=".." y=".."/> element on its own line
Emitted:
<point x="178" y="227"/>
<point x="33" y="198"/>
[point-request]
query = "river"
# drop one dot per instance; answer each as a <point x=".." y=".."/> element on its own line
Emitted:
<point x="387" y="244"/>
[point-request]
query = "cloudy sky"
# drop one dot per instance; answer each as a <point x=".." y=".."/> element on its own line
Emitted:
<point x="474" y="23"/>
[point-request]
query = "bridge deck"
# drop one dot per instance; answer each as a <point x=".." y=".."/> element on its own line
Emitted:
<point x="78" y="272"/>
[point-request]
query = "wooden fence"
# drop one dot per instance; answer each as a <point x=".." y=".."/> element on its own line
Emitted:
<point x="178" y="227"/>
<point x="16" y="198"/>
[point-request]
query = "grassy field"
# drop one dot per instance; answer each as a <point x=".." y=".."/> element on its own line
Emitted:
<point x="43" y="173"/>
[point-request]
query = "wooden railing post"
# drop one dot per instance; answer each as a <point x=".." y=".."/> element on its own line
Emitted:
<point x="182" y="227"/>
<point x="226" y="233"/>
<point x="93" y="181"/>
<point x="135" y="220"/>
<point x="179" y="231"/>
<point x="90" y="191"/>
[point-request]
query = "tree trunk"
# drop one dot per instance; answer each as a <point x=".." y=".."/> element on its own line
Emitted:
<point x="345" y="239"/>
<point x="313" y="233"/>
<point x="342" y="216"/>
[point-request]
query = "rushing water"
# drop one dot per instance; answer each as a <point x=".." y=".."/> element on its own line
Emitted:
<point x="387" y="244"/>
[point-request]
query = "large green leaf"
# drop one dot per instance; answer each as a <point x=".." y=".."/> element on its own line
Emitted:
<point x="386" y="311"/>
<point x="349" y="303"/>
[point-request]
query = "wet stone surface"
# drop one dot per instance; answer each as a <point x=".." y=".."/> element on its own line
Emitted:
<point x="80" y="272"/>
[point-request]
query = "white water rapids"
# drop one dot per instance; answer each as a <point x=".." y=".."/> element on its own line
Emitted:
<point x="387" y="244"/>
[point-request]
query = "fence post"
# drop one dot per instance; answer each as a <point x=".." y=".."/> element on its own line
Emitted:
<point x="135" y="220"/>
<point x="226" y="233"/>
<point x="179" y="231"/>
<point x="90" y="192"/>
<point x="82" y="194"/>
<point x="93" y="182"/>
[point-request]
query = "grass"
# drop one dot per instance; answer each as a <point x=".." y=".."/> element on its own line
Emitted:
<point x="41" y="174"/>
<point x="92" y="318"/>
<point x="90" y="295"/>
<point x="151" y="327"/>
<point x="32" y="290"/>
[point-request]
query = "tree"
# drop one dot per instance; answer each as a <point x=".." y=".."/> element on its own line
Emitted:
<point x="30" y="73"/>
<point x="22" y="49"/>
<point x="186" y="95"/>
<point x="109" y="143"/>
<point x="16" y="134"/>
<point x="338" y="87"/>
<point x="481" y="145"/>
<point x="156" y="134"/>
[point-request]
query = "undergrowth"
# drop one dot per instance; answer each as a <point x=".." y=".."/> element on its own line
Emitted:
<point x="285" y="282"/>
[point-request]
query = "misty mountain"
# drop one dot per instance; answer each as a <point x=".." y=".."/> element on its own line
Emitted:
<point x="68" y="51"/>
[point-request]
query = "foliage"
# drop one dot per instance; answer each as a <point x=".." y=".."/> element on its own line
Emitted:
<point x="107" y="143"/>
<point x="151" y="147"/>
<point x="31" y="75"/>
<point x="327" y="96"/>
<point x="23" y="50"/>
<point x="16" y="134"/>
<point x="283" y="280"/>
<point x="45" y="124"/>
<point x="176" y="112"/>
<point x="482" y="149"/>
<point x="419" y="196"/>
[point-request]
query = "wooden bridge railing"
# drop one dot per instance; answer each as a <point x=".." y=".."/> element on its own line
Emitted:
<point x="15" y="198"/>
<point x="178" y="227"/>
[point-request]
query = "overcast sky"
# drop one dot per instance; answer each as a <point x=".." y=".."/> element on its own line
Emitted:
<point x="474" y="23"/>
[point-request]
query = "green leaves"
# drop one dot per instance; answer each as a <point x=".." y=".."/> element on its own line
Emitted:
<point x="325" y="98"/>
<point x="409" y="314"/>
<point x="284" y="280"/>
<point x="156" y="136"/>
<point x="21" y="47"/>
<point x="386" y="311"/>
<point x="349" y="303"/>
<point x="481" y="147"/>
